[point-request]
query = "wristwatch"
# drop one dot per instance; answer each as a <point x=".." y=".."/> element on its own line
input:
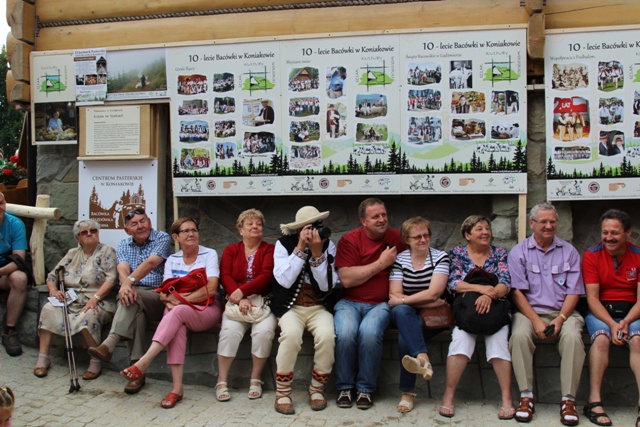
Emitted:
<point x="98" y="297"/>
<point x="133" y="279"/>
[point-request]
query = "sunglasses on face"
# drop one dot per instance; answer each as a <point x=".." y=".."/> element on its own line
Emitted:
<point x="88" y="231"/>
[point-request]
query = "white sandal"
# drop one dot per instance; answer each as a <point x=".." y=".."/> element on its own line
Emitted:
<point x="222" y="391"/>
<point x="405" y="406"/>
<point x="413" y="365"/>
<point x="255" y="388"/>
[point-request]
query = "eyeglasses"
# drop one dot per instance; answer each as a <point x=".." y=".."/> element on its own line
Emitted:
<point x="88" y="231"/>
<point x="189" y="231"/>
<point x="134" y="213"/>
<point x="420" y="237"/>
<point x="552" y="223"/>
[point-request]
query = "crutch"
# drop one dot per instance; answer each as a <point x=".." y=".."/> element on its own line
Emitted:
<point x="71" y="359"/>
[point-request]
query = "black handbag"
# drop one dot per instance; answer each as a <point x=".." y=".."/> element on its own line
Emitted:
<point x="464" y="307"/>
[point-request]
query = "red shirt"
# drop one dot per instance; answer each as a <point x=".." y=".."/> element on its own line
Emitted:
<point x="618" y="278"/>
<point x="356" y="249"/>
<point x="233" y="269"/>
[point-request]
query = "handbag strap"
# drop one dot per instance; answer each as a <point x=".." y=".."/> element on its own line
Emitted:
<point x="183" y="300"/>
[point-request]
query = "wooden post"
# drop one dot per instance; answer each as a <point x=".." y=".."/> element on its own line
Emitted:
<point x="535" y="36"/>
<point x="533" y="6"/>
<point x="522" y="217"/>
<point x="37" y="234"/>
<point x="11" y="41"/>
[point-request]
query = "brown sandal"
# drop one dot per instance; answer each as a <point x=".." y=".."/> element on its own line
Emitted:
<point x="527" y="405"/>
<point x="567" y="409"/>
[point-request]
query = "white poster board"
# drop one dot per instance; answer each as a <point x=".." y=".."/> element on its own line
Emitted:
<point x="593" y="114"/>
<point x="108" y="190"/>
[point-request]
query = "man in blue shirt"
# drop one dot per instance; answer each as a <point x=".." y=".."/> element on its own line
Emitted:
<point x="141" y="258"/>
<point x="13" y="240"/>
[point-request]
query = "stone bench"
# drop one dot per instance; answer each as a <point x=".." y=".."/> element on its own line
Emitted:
<point x="478" y="381"/>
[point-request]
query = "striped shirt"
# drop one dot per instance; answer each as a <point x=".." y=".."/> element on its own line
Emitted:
<point x="413" y="281"/>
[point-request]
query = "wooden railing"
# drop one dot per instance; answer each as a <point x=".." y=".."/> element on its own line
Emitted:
<point x="40" y="214"/>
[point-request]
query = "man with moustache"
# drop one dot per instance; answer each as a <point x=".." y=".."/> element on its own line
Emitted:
<point x="141" y="258"/>
<point x="610" y="271"/>
<point x="546" y="285"/>
<point x="364" y="258"/>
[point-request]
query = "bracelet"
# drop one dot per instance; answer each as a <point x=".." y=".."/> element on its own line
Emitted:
<point x="563" y="316"/>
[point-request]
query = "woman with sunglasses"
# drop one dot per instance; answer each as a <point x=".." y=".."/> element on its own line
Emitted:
<point x="90" y="271"/>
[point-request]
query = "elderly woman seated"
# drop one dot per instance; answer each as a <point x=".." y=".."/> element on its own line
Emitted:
<point x="477" y="254"/>
<point x="90" y="271"/>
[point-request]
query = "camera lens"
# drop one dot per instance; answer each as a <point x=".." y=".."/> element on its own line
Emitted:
<point x="324" y="232"/>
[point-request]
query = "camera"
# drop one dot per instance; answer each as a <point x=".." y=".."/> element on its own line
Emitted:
<point x="620" y="335"/>
<point x="324" y="232"/>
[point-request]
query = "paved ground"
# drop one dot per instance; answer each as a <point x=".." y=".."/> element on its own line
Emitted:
<point x="46" y="402"/>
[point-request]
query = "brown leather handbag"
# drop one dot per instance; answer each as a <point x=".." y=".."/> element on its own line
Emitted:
<point x="438" y="317"/>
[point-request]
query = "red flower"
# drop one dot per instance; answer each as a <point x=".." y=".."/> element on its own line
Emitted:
<point x="19" y="167"/>
<point x="7" y="172"/>
<point x="14" y="159"/>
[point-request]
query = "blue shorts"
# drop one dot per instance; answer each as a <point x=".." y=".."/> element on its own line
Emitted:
<point x="597" y="327"/>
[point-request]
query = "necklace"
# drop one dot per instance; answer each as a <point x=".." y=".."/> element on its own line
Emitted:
<point x="84" y="258"/>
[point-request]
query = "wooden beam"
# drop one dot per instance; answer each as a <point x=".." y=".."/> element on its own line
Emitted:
<point x="10" y="5"/>
<point x="11" y="84"/>
<point x="591" y="13"/>
<point x="71" y="10"/>
<point x="23" y="22"/>
<point x="21" y="92"/>
<point x="536" y="36"/>
<point x="20" y="61"/>
<point x="533" y="6"/>
<point x="11" y="41"/>
<point x="378" y="18"/>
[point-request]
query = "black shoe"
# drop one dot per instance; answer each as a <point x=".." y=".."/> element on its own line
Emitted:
<point x="345" y="399"/>
<point x="11" y="344"/>
<point x="364" y="400"/>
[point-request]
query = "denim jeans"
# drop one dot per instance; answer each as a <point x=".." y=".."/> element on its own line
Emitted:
<point x="359" y="338"/>
<point x="412" y="339"/>
<point x="597" y="327"/>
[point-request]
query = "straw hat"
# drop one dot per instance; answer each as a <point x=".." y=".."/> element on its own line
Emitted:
<point x="305" y="215"/>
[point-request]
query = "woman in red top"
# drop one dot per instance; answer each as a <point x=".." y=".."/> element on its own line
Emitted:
<point x="246" y="269"/>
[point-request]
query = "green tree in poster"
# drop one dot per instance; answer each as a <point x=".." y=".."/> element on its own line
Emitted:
<point x="176" y="168"/>
<point x="492" y="163"/>
<point x="10" y="118"/>
<point x="520" y="158"/>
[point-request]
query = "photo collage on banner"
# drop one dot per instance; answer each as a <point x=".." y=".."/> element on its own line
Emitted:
<point x="225" y="119"/>
<point x="464" y="103"/>
<point x="430" y="112"/>
<point x="342" y="120"/>
<point x="593" y="115"/>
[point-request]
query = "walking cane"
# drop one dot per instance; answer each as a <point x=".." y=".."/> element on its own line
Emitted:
<point x="71" y="360"/>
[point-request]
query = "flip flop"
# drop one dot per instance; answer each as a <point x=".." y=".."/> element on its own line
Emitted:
<point x="132" y="373"/>
<point x="447" y="408"/>
<point x="506" y="413"/>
